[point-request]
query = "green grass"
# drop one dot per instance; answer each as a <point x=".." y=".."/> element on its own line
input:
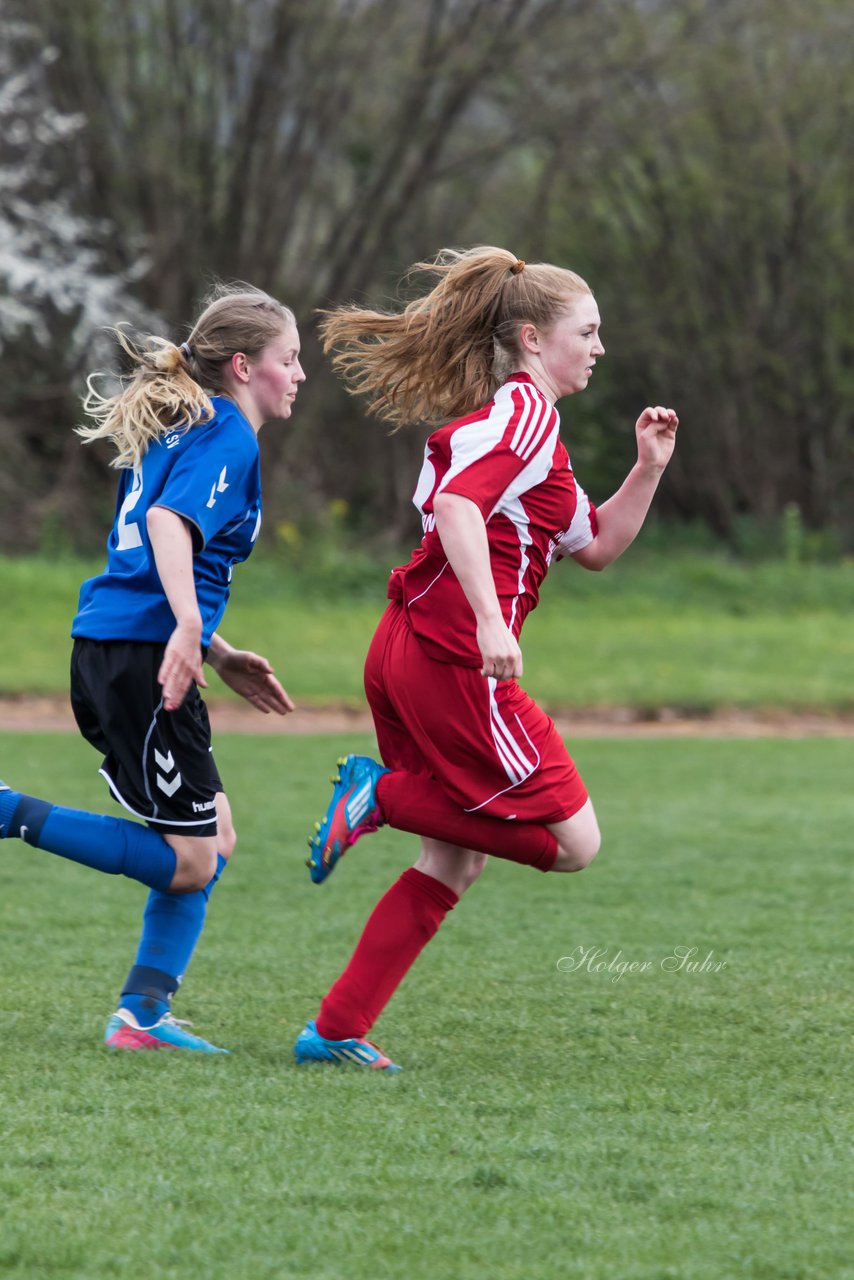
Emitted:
<point x="693" y="633"/>
<point x="692" y="1126"/>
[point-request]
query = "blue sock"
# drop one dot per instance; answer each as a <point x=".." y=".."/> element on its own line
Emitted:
<point x="171" y="926"/>
<point x="113" y="845"/>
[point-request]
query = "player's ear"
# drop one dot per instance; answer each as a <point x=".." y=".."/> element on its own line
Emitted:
<point x="529" y="339"/>
<point x="240" y="366"/>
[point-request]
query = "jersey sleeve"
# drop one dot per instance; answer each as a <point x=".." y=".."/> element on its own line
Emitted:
<point x="209" y="483"/>
<point x="583" y="527"/>
<point x="488" y="455"/>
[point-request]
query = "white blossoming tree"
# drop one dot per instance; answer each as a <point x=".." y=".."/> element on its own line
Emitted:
<point x="57" y="293"/>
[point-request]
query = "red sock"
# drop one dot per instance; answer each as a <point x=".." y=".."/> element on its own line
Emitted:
<point x="415" y="802"/>
<point x="399" y="927"/>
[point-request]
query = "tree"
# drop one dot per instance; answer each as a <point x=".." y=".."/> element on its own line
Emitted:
<point x="311" y="149"/>
<point x="56" y="296"/>
<point x="709" y="203"/>
<point x="687" y="158"/>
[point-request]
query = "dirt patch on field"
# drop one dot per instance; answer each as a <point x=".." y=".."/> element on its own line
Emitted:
<point x="31" y="715"/>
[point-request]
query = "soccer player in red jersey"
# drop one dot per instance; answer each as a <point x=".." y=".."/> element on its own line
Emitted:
<point x="471" y="764"/>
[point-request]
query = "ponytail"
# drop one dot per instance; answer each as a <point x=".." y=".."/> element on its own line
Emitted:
<point x="161" y="395"/>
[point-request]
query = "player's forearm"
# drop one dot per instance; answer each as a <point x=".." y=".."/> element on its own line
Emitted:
<point x="462" y="531"/>
<point x="172" y="546"/>
<point x="621" y="518"/>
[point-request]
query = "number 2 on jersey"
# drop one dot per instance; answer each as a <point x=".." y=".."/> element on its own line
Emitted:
<point x="127" y="531"/>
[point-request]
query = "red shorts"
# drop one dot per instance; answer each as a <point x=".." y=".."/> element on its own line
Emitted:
<point x="486" y="741"/>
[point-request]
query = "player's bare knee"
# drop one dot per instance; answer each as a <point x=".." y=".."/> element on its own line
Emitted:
<point x="470" y="870"/>
<point x="456" y="867"/>
<point x="187" y="879"/>
<point x="194" y="867"/>
<point x="577" y="854"/>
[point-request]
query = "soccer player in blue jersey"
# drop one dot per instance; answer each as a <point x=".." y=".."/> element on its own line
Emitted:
<point x="185" y="426"/>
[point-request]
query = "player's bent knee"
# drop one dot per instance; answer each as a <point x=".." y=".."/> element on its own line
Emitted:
<point x="456" y="867"/>
<point x="195" y="867"/>
<point x="579" y="853"/>
<point x="190" y="879"/>
<point x="471" y="869"/>
<point x="578" y="840"/>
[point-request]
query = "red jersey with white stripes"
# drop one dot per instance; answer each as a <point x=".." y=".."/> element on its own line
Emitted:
<point x="509" y="460"/>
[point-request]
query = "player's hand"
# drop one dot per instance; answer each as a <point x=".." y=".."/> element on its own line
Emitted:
<point x="502" y="657"/>
<point x="656" y="436"/>
<point x="252" y="677"/>
<point x="182" y="664"/>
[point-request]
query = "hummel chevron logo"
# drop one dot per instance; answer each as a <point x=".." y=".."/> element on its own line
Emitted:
<point x="220" y="487"/>
<point x="167" y="764"/>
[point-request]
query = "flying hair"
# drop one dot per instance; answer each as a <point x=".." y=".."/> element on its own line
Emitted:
<point x="169" y="386"/>
<point x="447" y="351"/>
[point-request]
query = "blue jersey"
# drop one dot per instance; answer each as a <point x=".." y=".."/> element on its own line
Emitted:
<point x="211" y="476"/>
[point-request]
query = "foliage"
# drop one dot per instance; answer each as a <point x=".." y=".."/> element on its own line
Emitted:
<point x="710" y="206"/>
<point x="51" y="256"/>
<point x="57" y="293"/>
<point x="680" y="1125"/>
<point x="687" y="158"/>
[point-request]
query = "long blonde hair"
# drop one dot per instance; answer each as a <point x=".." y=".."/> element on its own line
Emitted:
<point x="170" y="386"/>
<point x="445" y="354"/>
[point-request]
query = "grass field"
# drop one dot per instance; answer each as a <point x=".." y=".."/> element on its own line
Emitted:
<point x="692" y="633"/>
<point x="552" y="1120"/>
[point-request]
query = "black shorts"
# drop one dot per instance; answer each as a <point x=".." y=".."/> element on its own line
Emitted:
<point x="158" y="763"/>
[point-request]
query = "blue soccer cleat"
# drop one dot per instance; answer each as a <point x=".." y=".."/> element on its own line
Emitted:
<point x="353" y="812"/>
<point x="124" y="1032"/>
<point x="312" y="1047"/>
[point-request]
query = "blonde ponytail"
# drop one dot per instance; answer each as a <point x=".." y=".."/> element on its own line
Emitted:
<point x="160" y="395"/>
<point x="445" y="354"/>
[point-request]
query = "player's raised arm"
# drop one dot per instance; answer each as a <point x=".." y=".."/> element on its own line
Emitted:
<point x="620" y="518"/>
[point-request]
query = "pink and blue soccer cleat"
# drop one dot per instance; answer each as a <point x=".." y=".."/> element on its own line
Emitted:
<point x="353" y="812"/>
<point x="124" y="1032"/>
<point x="312" y="1047"/>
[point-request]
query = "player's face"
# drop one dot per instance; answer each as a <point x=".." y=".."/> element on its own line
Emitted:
<point x="275" y="375"/>
<point x="570" y="348"/>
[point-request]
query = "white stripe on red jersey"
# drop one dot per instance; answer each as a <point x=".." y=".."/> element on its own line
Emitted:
<point x="578" y="533"/>
<point x="515" y="424"/>
<point x="530" y="429"/>
<point x="509" y="460"/>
